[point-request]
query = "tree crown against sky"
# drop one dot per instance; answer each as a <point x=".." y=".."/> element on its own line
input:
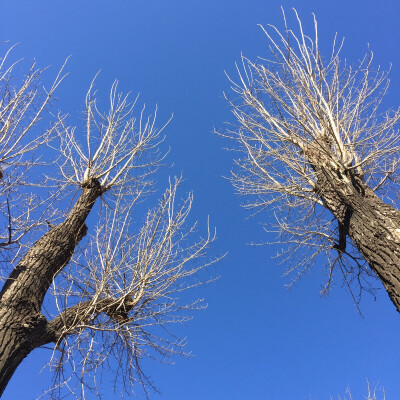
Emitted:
<point x="175" y="52"/>
<point x="317" y="150"/>
<point x="102" y="295"/>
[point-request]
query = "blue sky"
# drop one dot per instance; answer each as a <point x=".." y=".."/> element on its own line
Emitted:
<point x="256" y="340"/>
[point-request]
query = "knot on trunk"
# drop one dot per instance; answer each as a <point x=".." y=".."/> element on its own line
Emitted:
<point x="92" y="183"/>
<point x="118" y="310"/>
<point x="31" y="328"/>
<point x="81" y="233"/>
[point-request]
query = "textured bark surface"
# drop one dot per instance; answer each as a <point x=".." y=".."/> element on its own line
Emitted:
<point x="372" y="225"/>
<point x="22" y="325"/>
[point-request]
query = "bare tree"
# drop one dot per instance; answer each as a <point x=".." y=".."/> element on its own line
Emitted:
<point x="109" y="292"/>
<point x="372" y="394"/>
<point x="317" y="150"/>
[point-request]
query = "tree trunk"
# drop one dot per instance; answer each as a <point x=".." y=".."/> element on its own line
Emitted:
<point x="372" y="225"/>
<point x="22" y="325"/>
<point x="375" y="230"/>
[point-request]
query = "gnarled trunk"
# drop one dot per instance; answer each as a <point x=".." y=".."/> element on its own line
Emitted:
<point x="22" y="325"/>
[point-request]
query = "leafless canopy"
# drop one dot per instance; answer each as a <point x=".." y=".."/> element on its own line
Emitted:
<point x="22" y="105"/>
<point x="287" y="106"/>
<point x="111" y="303"/>
<point x="374" y="393"/>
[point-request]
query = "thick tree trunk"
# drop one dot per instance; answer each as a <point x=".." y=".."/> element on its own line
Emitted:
<point x="372" y="225"/>
<point x="22" y="325"/>
<point x="374" y="228"/>
<point x="21" y="331"/>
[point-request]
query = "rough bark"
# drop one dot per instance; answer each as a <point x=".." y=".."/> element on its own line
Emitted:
<point x="85" y="312"/>
<point x="372" y="225"/>
<point x="22" y="325"/>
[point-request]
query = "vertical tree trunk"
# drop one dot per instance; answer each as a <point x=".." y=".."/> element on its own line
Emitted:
<point x="22" y="325"/>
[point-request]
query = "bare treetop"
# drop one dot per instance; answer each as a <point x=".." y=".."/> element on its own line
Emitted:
<point x="299" y="98"/>
<point x="21" y="107"/>
<point x="304" y="120"/>
<point x="113" y="141"/>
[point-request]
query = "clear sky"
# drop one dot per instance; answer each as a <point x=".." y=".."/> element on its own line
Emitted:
<point x="257" y="340"/>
